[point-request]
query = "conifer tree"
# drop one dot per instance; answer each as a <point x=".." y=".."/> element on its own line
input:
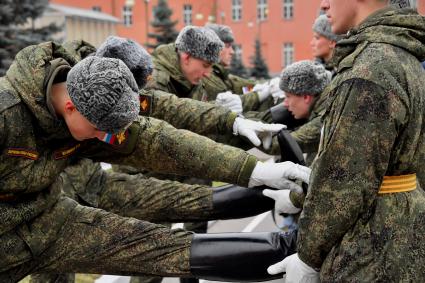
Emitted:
<point x="259" y="68"/>
<point x="13" y="37"/>
<point x="237" y="67"/>
<point x="163" y="25"/>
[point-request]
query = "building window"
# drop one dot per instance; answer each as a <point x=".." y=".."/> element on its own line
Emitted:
<point x="127" y="14"/>
<point x="187" y="14"/>
<point x="238" y="51"/>
<point x="414" y="3"/>
<point x="236" y="10"/>
<point x="262" y="10"/>
<point x="288" y="54"/>
<point x="288" y="9"/>
<point x="97" y="8"/>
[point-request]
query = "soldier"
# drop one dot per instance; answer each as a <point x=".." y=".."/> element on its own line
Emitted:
<point x="66" y="108"/>
<point x="363" y="219"/>
<point x="323" y="42"/>
<point x="303" y="82"/>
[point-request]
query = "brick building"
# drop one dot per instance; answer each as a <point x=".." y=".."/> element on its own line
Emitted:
<point x="283" y="26"/>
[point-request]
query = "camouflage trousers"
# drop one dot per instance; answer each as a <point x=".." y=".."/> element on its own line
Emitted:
<point x="126" y="195"/>
<point x="70" y="238"/>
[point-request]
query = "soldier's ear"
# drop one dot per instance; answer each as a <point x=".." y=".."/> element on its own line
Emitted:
<point x="308" y="99"/>
<point x="184" y="58"/>
<point x="69" y="107"/>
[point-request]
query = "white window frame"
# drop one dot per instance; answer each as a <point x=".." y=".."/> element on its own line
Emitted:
<point x="262" y="10"/>
<point x="236" y="10"/>
<point x="288" y="9"/>
<point x="127" y="15"/>
<point x="238" y="51"/>
<point x="288" y="52"/>
<point x="187" y="14"/>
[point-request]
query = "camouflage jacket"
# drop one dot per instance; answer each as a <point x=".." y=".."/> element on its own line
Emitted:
<point x="221" y="81"/>
<point x="37" y="146"/>
<point x="373" y="128"/>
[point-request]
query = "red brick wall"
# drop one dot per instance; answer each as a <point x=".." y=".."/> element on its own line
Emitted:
<point x="273" y="32"/>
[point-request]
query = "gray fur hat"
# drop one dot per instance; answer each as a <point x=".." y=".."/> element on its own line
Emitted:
<point x="322" y="26"/>
<point x="131" y="53"/>
<point x="104" y="91"/>
<point x="304" y="77"/>
<point x="400" y="4"/>
<point x="225" y="33"/>
<point x="200" y="42"/>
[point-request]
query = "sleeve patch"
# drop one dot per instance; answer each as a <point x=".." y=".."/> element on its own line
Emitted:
<point x="23" y="152"/>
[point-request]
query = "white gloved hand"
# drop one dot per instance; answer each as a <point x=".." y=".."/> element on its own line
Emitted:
<point x="256" y="132"/>
<point x="274" y="85"/>
<point x="230" y="101"/>
<point x="264" y="92"/>
<point x="258" y="87"/>
<point x="296" y="270"/>
<point x="282" y="202"/>
<point x="277" y="175"/>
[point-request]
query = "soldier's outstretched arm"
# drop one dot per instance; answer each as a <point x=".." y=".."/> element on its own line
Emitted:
<point x="185" y="113"/>
<point x="205" y="118"/>
<point x="157" y="146"/>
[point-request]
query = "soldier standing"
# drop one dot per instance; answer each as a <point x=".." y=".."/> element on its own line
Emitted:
<point x="363" y="218"/>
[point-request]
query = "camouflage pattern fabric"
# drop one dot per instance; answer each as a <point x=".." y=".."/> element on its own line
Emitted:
<point x="52" y="278"/>
<point x="221" y="80"/>
<point x="43" y="227"/>
<point x="136" y="196"/>
<point x="92" y="241"/>
<point x="372" y="128"/>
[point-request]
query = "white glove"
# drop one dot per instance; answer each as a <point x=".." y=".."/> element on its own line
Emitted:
<point x="258" y="87"/>
<point x="230" y="101"/>
<point x="296" y="270"/>
<point x="255" y="131"/>
<point x="277" y="175"/>
<point x="274" y="85"/>
<point x="282" y="202"/>
<point x="264" y="92"/>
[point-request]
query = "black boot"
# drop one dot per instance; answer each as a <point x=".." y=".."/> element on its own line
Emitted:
<point x="241" y="257"/>
<point x="231" y="202"/>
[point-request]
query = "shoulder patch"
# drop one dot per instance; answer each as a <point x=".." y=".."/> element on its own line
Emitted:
<point x="7" y="100"/>
<point x="145" y="104"/>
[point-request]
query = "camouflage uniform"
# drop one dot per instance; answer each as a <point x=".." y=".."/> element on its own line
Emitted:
<point x="373" y="128"/>
<point x="168" y="77"/>
<point x="42" y="230"/>
<point x="221" y="81"/>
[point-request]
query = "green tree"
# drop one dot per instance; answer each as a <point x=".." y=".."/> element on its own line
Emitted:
<point x="13" y="37"/>
<point x="237" y="67"/>
<point x="163" y="25"/>
<point x="259" y="68"/>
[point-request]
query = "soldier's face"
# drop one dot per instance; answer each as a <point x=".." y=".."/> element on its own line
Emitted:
<point x="342" y="14"/>
<point x="79" y="127"/>
<point x="321" y="46"/>
<point x="227" y="54"/>
<point x="298" y="105"/>
<point x="195" y="69"/>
